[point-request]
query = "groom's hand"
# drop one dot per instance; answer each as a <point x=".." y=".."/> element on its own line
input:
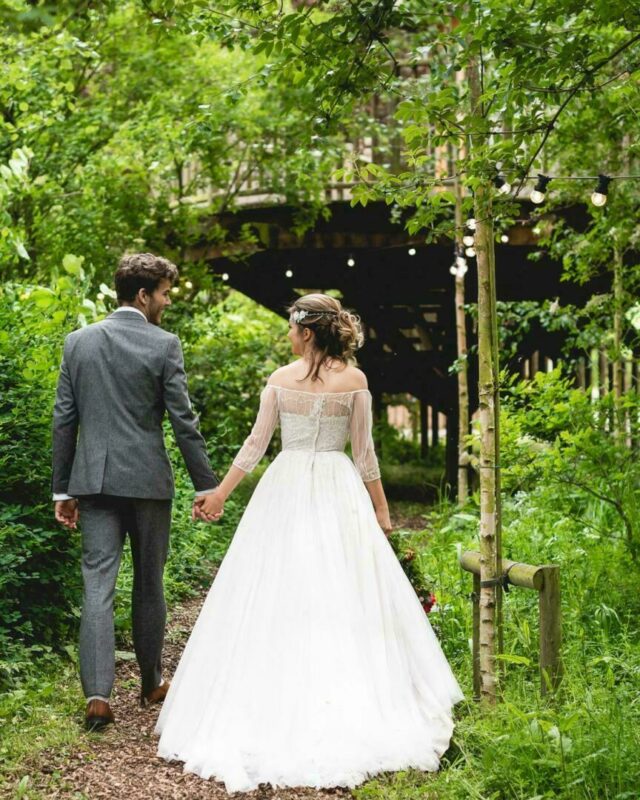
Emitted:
<point x="208" y="507"/>
<point x="67" y="514"/>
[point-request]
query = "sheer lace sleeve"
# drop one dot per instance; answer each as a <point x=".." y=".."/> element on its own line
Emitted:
<point x="364" y="454"/>
<point x="256" y="443"/>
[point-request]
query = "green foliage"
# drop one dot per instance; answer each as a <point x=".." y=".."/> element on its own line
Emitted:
<point x="393" y="445"/>
<point x="577" y="448"/>
<point x="581" y="744"/>
<point x="232" y="348"/>
<point x="119" y="132"/>
<point x="38" y="581"/>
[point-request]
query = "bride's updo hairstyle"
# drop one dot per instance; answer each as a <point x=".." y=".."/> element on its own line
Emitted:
<point x="338" y="333"/>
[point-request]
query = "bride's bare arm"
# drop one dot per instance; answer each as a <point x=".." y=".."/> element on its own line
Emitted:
<point x="230" y="481"/>
<point x="209" y="506"/>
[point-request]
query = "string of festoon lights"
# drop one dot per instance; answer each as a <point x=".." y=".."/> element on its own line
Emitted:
<point x="539" y="192"/>
<point x="537" y="196"/>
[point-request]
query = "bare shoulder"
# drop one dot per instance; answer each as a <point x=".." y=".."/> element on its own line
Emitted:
<point x="355" y="378"/>
<point x="284" y="375"/>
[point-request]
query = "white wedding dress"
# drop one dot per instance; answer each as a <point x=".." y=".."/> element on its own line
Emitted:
<point x="312" y="662"/>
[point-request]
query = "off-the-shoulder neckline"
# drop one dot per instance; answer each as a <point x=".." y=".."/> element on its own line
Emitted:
<point x="317" y="394"/>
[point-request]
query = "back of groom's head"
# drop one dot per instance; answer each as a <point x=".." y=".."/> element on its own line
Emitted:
<point x="142" y="271"/>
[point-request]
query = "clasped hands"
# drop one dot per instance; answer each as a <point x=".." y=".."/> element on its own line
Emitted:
<point x="208" y="507"/>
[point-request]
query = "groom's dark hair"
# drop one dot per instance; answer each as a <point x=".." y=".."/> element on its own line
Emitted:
<point x="142" y="271"/>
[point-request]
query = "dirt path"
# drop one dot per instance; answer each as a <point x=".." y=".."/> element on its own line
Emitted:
<point x="121" y="762"/>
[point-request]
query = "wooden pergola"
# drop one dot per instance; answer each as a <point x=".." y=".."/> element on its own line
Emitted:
<point x="401" y="288"/>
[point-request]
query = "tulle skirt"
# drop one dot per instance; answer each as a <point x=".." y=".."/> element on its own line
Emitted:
<point x="312" y="662"/>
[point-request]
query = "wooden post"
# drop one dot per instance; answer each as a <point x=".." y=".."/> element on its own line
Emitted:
<point x="545" y="580"/>
<point x="475" y="640"/>
<point x="424" y="429"/>
<point x="452" y="453"/>
<point x="535" y="363"/>
<point x="550" y="629"/>
<point x="435" y="427"/>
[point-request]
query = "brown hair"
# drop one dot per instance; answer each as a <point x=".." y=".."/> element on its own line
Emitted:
<point x="338" y="333"/>
<point x="142" y="271"/>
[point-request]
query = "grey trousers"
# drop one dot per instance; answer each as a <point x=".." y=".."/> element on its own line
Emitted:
<point x="105" y="521"/>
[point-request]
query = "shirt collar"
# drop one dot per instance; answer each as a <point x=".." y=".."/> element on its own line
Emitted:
<point x="131" y="308"/>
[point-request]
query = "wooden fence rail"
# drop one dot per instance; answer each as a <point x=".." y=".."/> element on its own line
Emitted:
<point x="545" y="580"/>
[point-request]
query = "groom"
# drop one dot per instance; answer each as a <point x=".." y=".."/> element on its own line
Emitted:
<point x="111" y="470"/>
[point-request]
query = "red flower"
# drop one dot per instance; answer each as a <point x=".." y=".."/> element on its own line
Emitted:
<point x="429" y="603"/>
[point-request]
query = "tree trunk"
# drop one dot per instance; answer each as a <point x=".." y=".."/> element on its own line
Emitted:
<point x="618" y="417"/>
<point x="461" y="339"/>
<point x="595" y="375"/>
<point x="489" y="410"/>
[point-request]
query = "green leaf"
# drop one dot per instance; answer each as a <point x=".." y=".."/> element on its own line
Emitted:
<point x="73" y="264"/>
<point x="43" y="297"/>
<point x="510" y="658"/>
<point x="21" y="250"/>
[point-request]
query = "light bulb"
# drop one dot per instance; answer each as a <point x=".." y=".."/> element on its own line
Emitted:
<point x="188" y="284"/>
<point x="470" y="252"/>
<point x="351" y="262"/>
<point x="412" y="251"/>
<point x="289" y="273"/>
<point x="453" y="269"/>
<point x="471" y="224"/>
<point x="501" y="185"/>
<point x="460" y="262"/>
<point x="599" y="197"/>
<point x="468" y="241"/>
<point x="225" y="276"/>
<point x="504" y="238"/>
<point x="538" y="193"/>
<point x="100" y="296"/>
<point x="175" y="290"/>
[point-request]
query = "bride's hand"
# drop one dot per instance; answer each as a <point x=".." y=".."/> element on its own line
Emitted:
<point x="208" y="507"/>
<point x="384" y="520"/>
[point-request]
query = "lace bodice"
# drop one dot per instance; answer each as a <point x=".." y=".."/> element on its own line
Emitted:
<point x="317" y="421"/>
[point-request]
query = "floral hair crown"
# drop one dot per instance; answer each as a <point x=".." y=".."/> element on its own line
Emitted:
<point x="300" y="314"/>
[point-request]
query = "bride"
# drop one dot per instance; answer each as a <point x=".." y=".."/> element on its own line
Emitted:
<point x="312" y="662"/>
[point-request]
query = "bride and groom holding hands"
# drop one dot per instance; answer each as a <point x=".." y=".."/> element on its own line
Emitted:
<point x="312" y="662"/>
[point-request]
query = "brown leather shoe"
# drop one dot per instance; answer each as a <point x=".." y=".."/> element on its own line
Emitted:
<point x="156" y="695"/>
<point x="98" y="715"/>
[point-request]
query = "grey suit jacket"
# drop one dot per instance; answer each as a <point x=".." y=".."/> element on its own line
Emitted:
<point x="117" y="379"/>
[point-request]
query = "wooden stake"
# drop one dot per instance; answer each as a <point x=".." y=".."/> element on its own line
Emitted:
<point x="550" y="630"/>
